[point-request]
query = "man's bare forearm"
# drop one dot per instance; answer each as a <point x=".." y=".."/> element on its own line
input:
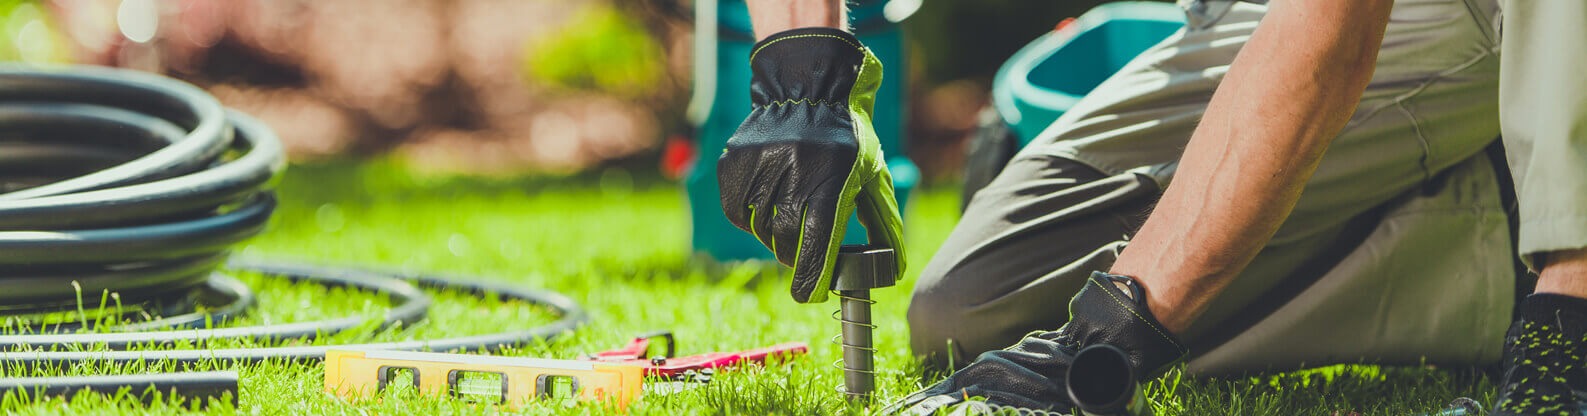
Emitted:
<point x="772" y="16"/>
<point x="1290" y="90"/>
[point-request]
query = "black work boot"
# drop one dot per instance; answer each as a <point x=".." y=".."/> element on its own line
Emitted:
<point x="1544" y="369"/>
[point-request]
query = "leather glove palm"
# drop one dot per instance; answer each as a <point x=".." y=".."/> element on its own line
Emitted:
<point x="807" y="158"/>
<point x="1032" y="374"/>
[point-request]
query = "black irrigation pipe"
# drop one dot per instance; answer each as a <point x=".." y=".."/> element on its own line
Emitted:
<point x="571" y="316"/>
<point x="131" y="184"/>
<point x="198" y="385"/>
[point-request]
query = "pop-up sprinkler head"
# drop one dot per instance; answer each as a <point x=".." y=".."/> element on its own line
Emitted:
<point x="860" y="269"/>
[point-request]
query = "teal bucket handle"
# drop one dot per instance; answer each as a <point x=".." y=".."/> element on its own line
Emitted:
<point x="1048" y="76"/>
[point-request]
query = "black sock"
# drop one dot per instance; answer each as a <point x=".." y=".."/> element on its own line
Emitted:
<point x="1570" y="311"/>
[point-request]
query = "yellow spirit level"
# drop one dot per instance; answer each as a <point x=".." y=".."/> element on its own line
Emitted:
<point x="510" y="381"/>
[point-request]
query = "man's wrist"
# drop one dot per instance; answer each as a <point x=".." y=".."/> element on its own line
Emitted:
<point x="811" y="66"/>
<point x="1169" y="310"/>
<point x="1105" y="312"/>
<point x="772" y="16"/>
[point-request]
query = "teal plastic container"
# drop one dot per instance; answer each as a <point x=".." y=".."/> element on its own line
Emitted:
<point x="1048" y="76"/>
<point x="721" y="102"/>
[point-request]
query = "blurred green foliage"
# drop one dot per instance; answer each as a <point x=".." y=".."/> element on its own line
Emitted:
<point x="28" y="34"/>
<point x="599" y="49"/>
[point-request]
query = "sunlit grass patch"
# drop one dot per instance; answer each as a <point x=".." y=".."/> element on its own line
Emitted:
<point x="622" y="252"/>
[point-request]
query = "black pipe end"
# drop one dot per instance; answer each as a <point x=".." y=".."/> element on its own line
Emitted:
<point x="1101" y="381"/>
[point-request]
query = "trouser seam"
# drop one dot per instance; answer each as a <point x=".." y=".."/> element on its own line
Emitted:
<point x="1421" y="138"/>
<point x="1399" y="101"/>
<point x="1489" y="33"/>
<point x="1070" y="154"/>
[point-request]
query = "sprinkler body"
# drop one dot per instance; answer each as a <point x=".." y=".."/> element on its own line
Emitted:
<point x="860" y="269"/>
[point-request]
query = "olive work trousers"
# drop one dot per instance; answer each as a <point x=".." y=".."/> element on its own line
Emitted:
<point x="1402" y="248"/>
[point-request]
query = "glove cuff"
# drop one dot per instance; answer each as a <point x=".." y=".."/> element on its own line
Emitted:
<point x="810" y="66"/>
<point x="1106" y="313"/>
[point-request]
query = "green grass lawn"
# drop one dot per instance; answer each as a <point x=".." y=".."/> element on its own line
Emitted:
<point x="619" y="245"/>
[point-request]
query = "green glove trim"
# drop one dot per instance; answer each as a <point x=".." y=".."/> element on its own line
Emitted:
<point x="869" y="183"/>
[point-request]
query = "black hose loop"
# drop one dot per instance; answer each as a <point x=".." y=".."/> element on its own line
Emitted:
<point x="126" y="183"/>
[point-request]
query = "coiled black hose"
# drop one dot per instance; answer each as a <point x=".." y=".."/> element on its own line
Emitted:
<point x="126" y="183"/>
<point x="122" y="185"/>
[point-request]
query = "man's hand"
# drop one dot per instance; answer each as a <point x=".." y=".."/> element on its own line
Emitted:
<point x="1109" y="310"/>
<point x="806" y="157"/>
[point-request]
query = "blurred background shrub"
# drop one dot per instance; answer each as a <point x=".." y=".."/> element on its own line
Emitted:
<point x="600" y="49"/>
<point x="30" y="34"/>
<point x="488" y="86"/>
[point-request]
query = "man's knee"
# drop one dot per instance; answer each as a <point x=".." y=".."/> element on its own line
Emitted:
<point x="947" y="327"/>
<point x="935" y="326"/>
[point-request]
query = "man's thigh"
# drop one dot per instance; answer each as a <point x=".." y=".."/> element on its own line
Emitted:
<point x="1021" y="250"/>
<point x="1431" y="104"/>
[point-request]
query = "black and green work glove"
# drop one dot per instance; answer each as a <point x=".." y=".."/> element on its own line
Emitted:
<point x="1034" y="374"/>
<point x="807" y="158"/>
